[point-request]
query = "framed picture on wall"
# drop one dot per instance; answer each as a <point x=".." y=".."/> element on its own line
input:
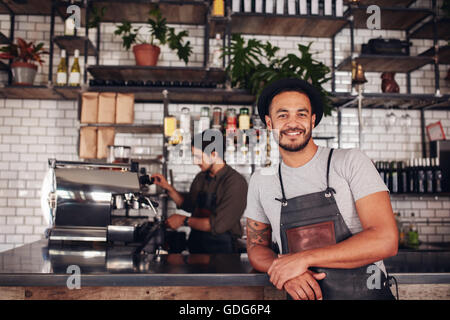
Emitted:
<point x="435" y="131"/>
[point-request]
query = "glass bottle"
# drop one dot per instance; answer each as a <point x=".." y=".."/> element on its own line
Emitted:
<point x="205" y="121"/>
<point x="217" y="118"/>
<point x="185" y="120"/>
<point x="217" y="53"/>
<point x="75" y="73"/>
<point x="61" y="73"/>
<point x="413" y="234"/>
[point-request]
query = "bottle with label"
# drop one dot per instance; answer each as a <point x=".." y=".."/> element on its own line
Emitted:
<point x="420" y="177"/>
<point x="218" y="9"/>
<point x="205" y="121"/>
<point x="393" y="179"/>
<point x="170" y="124"/>
<point x="411" y="176"/>
<point x="217" y="61"/>
<point x="437" y="176"/>
<point x="75" y="73"/>
<point x="61" y="73"/>
<point x="387" y="173"/>
<point x="428" y="176"/>
<point x="403" y="178"/>
<point x="413" y="234"/>
<point x="401" y="234"/>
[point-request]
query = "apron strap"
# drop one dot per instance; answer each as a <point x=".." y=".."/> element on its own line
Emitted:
<point x="282" y="200"/>
<point x="329" y="190"/>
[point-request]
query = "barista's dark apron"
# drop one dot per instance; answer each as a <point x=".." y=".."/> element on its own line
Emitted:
<point x="314" y="221"/>
<point x="206" y="242"/>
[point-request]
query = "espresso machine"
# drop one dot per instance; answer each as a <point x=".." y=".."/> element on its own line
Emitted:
<point x="91" y="202"/>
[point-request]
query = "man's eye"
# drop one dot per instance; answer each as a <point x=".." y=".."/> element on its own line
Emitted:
<point x="282" y="116"/>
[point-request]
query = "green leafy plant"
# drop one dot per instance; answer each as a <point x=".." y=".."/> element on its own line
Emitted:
<point x="96" y="17"/>
<point x="254" y="64"/>
<point x="160" y="33"/>
<point x="24" y="51"/>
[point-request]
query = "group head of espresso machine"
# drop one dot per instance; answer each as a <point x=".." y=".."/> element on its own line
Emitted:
<point x="91" y="202"/>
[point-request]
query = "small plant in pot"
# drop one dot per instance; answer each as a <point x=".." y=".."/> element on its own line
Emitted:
<point x="146" y="50"/>
<point x="23" y="54"/>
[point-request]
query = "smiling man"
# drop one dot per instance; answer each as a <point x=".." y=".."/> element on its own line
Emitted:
<point x="328" y="210"/>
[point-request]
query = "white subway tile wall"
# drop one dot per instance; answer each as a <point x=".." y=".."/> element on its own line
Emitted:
<point x="31" y="131"/>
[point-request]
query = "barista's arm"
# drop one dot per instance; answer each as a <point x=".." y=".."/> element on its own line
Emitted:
<point x="378" y="240"/>
<point x="161" y="181"/>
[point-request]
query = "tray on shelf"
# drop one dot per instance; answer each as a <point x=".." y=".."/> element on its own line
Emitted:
<point x="386" y="63"/>
<point x="70" y="43"/>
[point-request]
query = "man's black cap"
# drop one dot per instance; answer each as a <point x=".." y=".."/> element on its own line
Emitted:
<point x="271" y="90"/>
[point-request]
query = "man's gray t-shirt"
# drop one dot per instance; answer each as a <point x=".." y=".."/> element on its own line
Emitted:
<point x="352" y="175"/>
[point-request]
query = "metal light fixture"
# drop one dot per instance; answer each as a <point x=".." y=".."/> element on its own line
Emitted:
<point x="358" y="76"/>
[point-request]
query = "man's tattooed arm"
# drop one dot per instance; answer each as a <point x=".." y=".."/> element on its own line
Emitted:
<point x="259" y="236"/>
<point x="258" y="233"/>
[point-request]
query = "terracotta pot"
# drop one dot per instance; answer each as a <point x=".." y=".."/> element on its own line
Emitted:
<point x="23" y="73"/>
<point x="388" y="83"/>
<point x="146" y="54"/>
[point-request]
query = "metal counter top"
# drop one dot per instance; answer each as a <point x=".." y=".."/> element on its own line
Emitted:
<point x="37" y="264"/>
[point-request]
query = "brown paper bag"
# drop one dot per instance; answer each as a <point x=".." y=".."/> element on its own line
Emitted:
<point x="89" y="107"/>
<point x="88" y="143"/>
<point x="105" y="138"/>
<point x="106" y="107"/>
<point x="125" y="108"/>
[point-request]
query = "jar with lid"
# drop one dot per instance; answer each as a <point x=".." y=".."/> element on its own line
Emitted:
<point x="170" y="124"/>
<point x="185" y="120"/>
<point x="231" y="120"/>
<point x="217" y="118"/>
<point x="204" y="122"/>
<point x="244" y="119"/>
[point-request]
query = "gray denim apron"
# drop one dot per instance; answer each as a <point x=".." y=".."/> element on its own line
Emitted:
<point x="314" y="221"/>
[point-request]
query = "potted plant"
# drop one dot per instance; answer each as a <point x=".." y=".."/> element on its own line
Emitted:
<point x="254" y="64"/>
<point x="23" y="54"/>
<point x="146" y="50"/>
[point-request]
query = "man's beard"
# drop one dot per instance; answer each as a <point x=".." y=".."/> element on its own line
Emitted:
<point x="296" y="147"/>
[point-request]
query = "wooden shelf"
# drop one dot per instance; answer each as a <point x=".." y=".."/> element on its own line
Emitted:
<point x="426" y="30"/>
<point x="443" y="54"/>
<point x="280" y="25"/>
<point x="67" y="92"/>
<point x="391" y="18"/>
<point x="385" y="3"/>
<point x="386" y="63"/>
<point x="180" y="12"/>
<point x="70" y="43"/>
<point x="4" y="39"/>
<point x="29" y="92"/>
<point x="39" y="92"/>
<point x="183" y="95"/>
<point x="129" y="128"/>
<point x="143" y="73"/>
<point x="29" y="7"/>
<point x="394" y="100"/>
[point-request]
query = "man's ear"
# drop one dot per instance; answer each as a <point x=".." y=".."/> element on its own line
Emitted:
<point x="268" y="122"/>
<point x="313" y="119"/>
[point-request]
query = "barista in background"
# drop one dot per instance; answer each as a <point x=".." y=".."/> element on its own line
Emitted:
<point x="216" y="200"/>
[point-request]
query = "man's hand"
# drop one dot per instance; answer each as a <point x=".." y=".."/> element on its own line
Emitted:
<point x="161" y="181"/>
<point x="175" y="221"/>
<point x="287" y="267"/>
<point x="305" y="286"/>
